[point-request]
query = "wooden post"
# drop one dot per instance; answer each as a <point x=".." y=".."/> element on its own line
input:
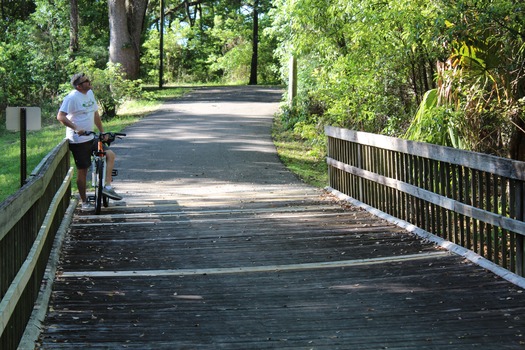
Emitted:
<point x="360" y="184"/>
<point x="23" y="146"/>
<point x="161" y="45"/>
<point x="518" y="215"/>
<point x="292" y="81"/>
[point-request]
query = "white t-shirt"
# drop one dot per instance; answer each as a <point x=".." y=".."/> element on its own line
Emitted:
<point x="80" y="109"/>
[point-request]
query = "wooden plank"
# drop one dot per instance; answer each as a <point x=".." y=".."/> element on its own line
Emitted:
<point x="253" y="269"/>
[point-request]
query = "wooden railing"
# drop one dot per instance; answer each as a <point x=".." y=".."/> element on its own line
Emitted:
<point x="473" y="200"/>
<point x="29" y="220"/>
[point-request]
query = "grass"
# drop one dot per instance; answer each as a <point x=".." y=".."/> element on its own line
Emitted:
<point x="302" y="158"/>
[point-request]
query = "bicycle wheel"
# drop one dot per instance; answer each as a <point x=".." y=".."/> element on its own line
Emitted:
<point x="99" y="186"/>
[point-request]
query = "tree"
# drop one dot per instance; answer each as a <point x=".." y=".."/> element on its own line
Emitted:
<point x="369" y="65"/>
<point x="126" y="24"/>
<point x="73" y="31"/>
<point x="255" y="44"/>
<point x="362" y="65"/>
<point x="480" y="99"/>
<point x="218" y="40"/>
<point x="14" y="10"/>
<point x="33" y="51"/>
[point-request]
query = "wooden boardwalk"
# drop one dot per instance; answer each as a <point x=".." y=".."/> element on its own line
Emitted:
<point x="217" y="246"/>
<point x="289" y="270"/>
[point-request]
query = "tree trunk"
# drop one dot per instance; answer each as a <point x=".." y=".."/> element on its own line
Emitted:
<point x="73" y="27"/>
<point x="517" y="140"/>
<point x="255" y="45"/>
<point x="126" y="22"/>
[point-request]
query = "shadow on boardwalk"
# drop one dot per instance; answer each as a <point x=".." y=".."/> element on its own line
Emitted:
<point x="217" y="246"/>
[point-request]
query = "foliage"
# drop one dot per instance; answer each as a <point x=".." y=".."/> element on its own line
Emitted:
<point x="186" y="52"/>
<point x="34" y="55"/>
<point x="483" y="79"/>
<point x="366" y="65"/>
<point x="36" y="61"/>
<point x="173" y="71"/>
<point x="110" y="86"/>
<point x="208" y="42"/>
<point x="233" y="61"/>
<point x="435" y="124"/>
<point x="361" y="65"/>
<point x="31" y="59"/>
<point x="94" y="32"/>
<point x="370" y="65"/>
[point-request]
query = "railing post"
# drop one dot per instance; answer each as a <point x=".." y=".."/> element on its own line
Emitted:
<point x="329" y="155"/>
<point x="519" y="215"/>
<point x="360" y="166"/>
<point x="23" y="147"/>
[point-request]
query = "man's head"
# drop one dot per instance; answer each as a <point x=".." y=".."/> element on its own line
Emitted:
<point x="79" y="79"/>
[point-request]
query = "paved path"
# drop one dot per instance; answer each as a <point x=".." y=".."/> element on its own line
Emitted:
<point x="218" y="246"/>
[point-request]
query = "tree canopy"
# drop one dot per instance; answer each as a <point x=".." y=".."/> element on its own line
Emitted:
<point x="450" y="72"/>
<point x="372" y="65"/>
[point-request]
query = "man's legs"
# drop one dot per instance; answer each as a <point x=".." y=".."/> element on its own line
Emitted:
<point x="82" y="155"/>
<point x="110" y="163"/>
<point x="108" y="190"/>
<point x="81" y="183"/>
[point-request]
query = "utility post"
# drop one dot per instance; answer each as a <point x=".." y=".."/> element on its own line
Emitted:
<point x="161" y="45"/>
<point x="292" y="81"/>
<point x="23" y="119"/>
<point x="292" y="71"/>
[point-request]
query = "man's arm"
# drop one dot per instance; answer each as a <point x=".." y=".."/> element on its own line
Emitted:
<point x="62" y="118"/>
<point x="98" y="122"/>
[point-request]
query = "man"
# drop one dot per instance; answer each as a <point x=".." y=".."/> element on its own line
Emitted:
<point x="79" y="112"/>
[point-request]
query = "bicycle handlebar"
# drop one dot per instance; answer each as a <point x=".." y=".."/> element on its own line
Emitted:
<point x="104" y="133"/>
<point x="111" y="136"/>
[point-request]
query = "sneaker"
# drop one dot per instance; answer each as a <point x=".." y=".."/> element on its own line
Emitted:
<point x="110" y="192"/>
<point x="87" y="206"/>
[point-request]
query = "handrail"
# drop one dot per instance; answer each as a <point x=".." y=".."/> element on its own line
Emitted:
<point x="13" y="294"/>
<point x="24" y="199"/>
<point x="29" y="220"/>
<point x="474" y="200"/>
<point x="484" y="162"/>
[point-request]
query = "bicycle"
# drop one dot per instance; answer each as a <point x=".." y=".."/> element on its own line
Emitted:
<point x="98" y="166"/>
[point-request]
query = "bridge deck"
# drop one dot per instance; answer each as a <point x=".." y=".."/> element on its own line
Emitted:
<point x="275" y="271"/>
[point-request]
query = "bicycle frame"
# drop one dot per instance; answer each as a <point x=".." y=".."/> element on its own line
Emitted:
<point x="98" y="175"/>
<point x="98" y="169"/>
<point x="98" y="155"/>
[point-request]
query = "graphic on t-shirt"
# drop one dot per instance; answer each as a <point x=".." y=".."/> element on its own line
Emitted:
<point x="88" y="104"/>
